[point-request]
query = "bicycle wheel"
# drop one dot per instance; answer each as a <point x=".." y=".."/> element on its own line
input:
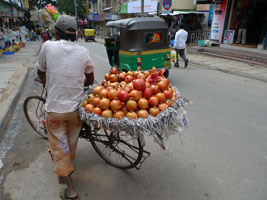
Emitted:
<point x="119" y="149"/>
<point x="35" y="114"/>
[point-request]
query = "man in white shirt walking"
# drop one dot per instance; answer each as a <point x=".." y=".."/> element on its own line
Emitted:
<point x="63" y="66"/>
<point x="180" y="44"/>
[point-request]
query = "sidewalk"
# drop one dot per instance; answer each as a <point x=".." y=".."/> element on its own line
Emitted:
<point x="13" y="75"/>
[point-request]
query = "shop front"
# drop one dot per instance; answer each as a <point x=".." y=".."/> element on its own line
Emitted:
<point x="240" y="23"/>
<point x="251" y="16"/>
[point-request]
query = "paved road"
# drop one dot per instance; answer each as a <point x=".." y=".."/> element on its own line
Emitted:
<point x="221" y="155"/>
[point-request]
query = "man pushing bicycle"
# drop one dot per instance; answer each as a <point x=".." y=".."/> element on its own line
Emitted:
<point x="62" y="66"/>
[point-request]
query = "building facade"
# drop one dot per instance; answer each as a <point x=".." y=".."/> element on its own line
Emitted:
<point x="11" y="13"/>
<point x="228" y="15"/>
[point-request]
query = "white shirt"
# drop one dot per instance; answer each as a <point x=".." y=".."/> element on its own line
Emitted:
<point x="180" y="39"/>
<point x="65" y="63"/>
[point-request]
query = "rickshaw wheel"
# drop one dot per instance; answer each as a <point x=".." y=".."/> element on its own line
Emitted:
<point x="166" y="73"/>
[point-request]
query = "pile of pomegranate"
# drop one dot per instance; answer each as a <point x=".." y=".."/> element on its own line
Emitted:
<point x="131" y="94"/>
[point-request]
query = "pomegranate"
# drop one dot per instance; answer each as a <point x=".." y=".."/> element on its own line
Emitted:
<point x="115" y="85"/>
<point x="123" y="95"/>
<point x="161" y="97"/>
<point x="148" y="85"/>
<point x="107" y="76"/>
<point x="147" y="93"/>
<point x="139" y="84"/>
<point x="104" y="83"/>
<point x="107" y="113"/>
<point x="143" y="103"/>
<point x="122" y="76"/>
<point x="96" y="101"/>
<point x="89" y="108"/>
<point x="103" y="93"/>
<point x="163" y="106"/>
<point x="89" y="98"/>
<point x="131" y="73"/>
<point x="142" y="114"/>
<point x="136" y="95"/>
<point x="153" y="101"/>
<point x="122" y="85"/>
<point x="119" y="114"/>
<point x="167" y="94"/>
<point x="155" y="89"/>
<point x="97" y="89"/>
<point x="129" y="88"/>
<point x="141" y="76"/>
<point x="113" y="78"/>
<point x="154" y="111"/>
<point x="161" y="72"/>
<point x="154" y="70"/>
<point x="163" y="84"/>
<point x="112" y="94"/>
<point x="147" y="73"/>
<point x="129" y="78"/>
<point x="116" y="105"/>
<point x="97" y="111"/>
<point x="113" y="70"/>
<point x="131" y="105"/>
<point x="131" y="115"/>
<point x="84" y="103"/>
<point x="104" y="103"/>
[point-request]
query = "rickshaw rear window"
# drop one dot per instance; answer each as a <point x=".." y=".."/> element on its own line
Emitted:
<point x="153" y="37"/>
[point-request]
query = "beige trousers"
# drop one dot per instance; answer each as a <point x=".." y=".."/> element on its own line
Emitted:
<point x="63" y="133"/>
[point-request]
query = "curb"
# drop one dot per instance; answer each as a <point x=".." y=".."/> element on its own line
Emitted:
<point x="11" y="102"/>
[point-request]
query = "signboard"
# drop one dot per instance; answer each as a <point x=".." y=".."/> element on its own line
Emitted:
<point x="167" y="4"/>
<point x="218" y="22"/>
<point x="229" y="36"/>
<point x="123" y="8"/>
<point x="149" y="6"/>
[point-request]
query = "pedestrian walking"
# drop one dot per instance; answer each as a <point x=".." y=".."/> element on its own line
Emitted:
<point x="180" y="45"/>
<point x="45" y="37"/>
<point x="62" y="65"/>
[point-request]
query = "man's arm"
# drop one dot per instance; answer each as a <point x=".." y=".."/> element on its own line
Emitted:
<point x="89" y="79"/>
<point x="41" y="66"/>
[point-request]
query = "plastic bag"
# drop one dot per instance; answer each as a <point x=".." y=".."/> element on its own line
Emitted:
<point x="173" y="55"/>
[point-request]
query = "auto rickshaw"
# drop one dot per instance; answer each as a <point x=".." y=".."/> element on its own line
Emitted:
<point x="89" y="34"/>
<point x="141" y="43"/>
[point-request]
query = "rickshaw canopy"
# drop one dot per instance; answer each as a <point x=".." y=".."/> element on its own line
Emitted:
<point x="142" y="33"/>
<point x="139" y="23"/>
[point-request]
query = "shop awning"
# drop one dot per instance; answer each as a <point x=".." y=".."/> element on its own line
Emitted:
<point x="181" y="13"/>
<point x="107" y="9"/>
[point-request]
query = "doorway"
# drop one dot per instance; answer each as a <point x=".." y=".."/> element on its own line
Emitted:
<point x="256" y="15"/>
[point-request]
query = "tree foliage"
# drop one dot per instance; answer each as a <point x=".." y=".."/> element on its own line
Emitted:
<point x="67" y="7"/>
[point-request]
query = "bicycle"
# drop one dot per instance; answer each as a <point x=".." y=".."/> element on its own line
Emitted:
<point x="118" y="149"/>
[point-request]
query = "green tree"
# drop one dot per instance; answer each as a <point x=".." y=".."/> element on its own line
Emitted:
<point x="67" y="6"/>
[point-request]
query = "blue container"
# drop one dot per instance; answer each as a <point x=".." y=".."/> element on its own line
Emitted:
<point x="8" y="53"/>
<point x="201" y="43"/>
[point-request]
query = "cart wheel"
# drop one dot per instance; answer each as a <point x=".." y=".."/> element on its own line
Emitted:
<point x="119" y="149"/>
<point x="166" y="73"/>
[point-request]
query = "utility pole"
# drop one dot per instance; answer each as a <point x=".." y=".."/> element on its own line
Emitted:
<point x="159" y="8"/>
<point x="142" y="8"/>
<point x="75" y="7"/>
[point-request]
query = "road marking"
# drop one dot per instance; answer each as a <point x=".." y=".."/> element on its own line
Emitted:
<point x="100" y="57"/>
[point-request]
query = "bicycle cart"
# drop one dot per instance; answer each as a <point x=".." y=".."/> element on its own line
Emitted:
<point x="151" y="107"/>
<point x="116" y="147"/>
